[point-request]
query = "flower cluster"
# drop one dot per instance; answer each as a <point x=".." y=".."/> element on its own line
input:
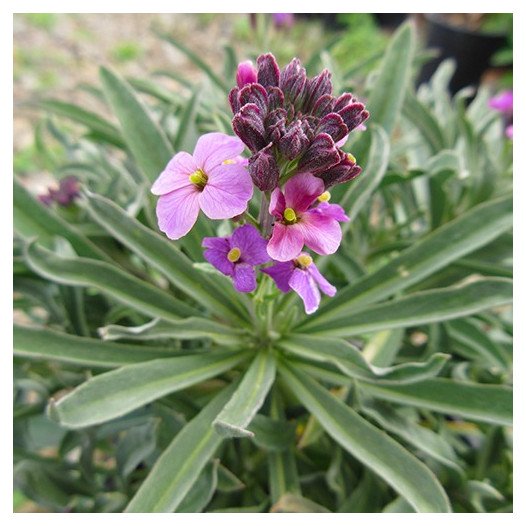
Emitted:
<point x="295" y="129"/>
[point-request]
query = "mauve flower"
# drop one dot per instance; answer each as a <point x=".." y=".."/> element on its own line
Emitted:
<point x="246" y="73"/>
<point x="302" y="276"/>
<point x="67" y="191"/>
<point x="509" y="131"/>
<point x="237" y="255"/>
<point x="298" y="223"/>
<point x="283" y="19"/>
<point x="503" y="102"/>
<point x="211" y="179"/>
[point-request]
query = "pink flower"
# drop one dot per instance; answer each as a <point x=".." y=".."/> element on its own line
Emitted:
<point x="211" y="179"/>
<point x="298" y="223"/>
<point x="246" y="73"/>
<point x="303" y="277"/>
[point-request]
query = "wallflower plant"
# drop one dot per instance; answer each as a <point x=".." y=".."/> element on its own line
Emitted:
<point x="262" y="324"/>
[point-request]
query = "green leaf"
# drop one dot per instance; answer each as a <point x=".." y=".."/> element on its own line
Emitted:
<point x="187" y="329"/>
<point x="100" y="127"/>
<point x="108" y="279"/>
<point x="271" y="434"/>
<point x="34" y="220"/>
<point x="177" y="469"/>
<point x="248" y="398"/>
<point x="383" y="455"/>
<point x="186" y="131"/>
<point x="116" y="393"/>
<point x="350" y="360"/>
<point x="44" y="344"/>
<point x="420" y="308"/>
<point x="164" y="256"/>
<point x="202" y="490"/>
<point x="146" y="141"/>
<point x="290" y="503"/>
<point x="424" y="258"/>
<point x="480" y="402"/>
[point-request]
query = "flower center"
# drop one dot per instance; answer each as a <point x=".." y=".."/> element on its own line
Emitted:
<point x="199" y="178"/>
<point x="323" y="198"/>
<point x="233" y="255"/>
<point x="351" y="158"/>
<point x="290" y="216"/>
<point x="229" y="161"/>
<point x="304" y="260"/>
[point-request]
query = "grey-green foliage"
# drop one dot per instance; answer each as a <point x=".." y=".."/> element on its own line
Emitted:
<point x="171" y="392"/>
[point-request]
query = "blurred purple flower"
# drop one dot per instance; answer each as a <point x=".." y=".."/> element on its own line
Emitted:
<point x="303" y="277"/>
<point x="503" y="103"/>
<point x="212" y="179"/>
<point x="237" y="255"/>
<point x="283" y="19"/>
<point x="66" y="193"/>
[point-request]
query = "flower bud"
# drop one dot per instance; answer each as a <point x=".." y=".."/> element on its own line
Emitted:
<point x="268" y="70"/>
<point x="333" y="125"/>
<point x="246" y="73"/>
<point x="320" y="156"/>
<point x="294" y="142"/>
<point x="292" y="81"/>
<point x="263" y="169"/>
<point x="315" y="88"/>
<point x="248" y="126"/>
<point x="342" y="172"/>
<point x="254" y="94"/>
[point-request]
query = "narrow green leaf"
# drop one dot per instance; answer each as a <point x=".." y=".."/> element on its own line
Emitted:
<point x="163" y="255"/>
<point x="185" y="140"/>
<point x="44" y="344"/>
<point x="187" y="329"/>
<point x="432" y="253"/>
<point x="480" y="402"/>
<point x="110" y="280"/>
<point x="146" y="141"/>
<point x="113" y="394"/>
<point x="405" y="473"/>
<point x="271" y="434"/>
<point x="176" y="470"/>
<point x="289" y="503"/>
<point x="419" y="308"/>
<point x="34" y="220"/>
<point x="248" y="398"/>
<point x="351" y="361"/>
<point x="202" y="490"/>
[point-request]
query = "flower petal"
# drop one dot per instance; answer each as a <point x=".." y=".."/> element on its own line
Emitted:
<point x="320" y="232"/>
<point x="324" y="285"/>
<point x="227" y="192"/>
<point x="216" y="254"/>
<point x="176" y="174"/>
<point x="244" y="277"/>
<point x="334" y="211"/>
<point x="177" y="211"/>
<point x="301" y="190"/>
<point x="286" y="242"/>
<point x="212" y="149"/>
<point x="253" y="247"/>
<point x="281" y="272"/>
<point x="303" y="283"/>
<point x="277" y="203"/>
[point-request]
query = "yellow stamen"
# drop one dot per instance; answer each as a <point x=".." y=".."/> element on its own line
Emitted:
<point x="234" y="255"/>
<point x="304" y="260"/>
<point x="323" y="198"/>
<point x="351" y="158"/>
<point x="290" y="215"/>
<point x="199" y="178"/>
<point x="229" y="161"/>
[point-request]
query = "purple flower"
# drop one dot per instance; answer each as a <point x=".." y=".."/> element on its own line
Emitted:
<point x="237" y="255"/>
<point x="503" y="102"/>
<point x="211" y="179"/>
<point x="246" y="73"/>
<point x="67" y="191"/>
<point x="298" y="223"/>
<point x="303" y="277"/>
<point x="283" y="19"/>
<point x="509" y="131"/>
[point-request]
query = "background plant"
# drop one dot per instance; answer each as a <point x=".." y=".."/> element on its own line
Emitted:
<point x="141" y="348"/>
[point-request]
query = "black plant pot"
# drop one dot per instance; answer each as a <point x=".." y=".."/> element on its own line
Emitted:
<point x="471" y="51"/>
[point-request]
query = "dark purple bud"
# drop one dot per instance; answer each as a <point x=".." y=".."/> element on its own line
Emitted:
<point x="263" y="169"/>
<point x="246" y="73"/>
<point x="342" y="172"/>
<point x="248" y="126"/>
<point x="323" y="106"/>
<point x="343" y="100"/>
<point x="294" y="142"/>
<point x="275" y="124"/>
<point x="292" y="81"/>
<point x="268" y="70"/>
<point x="320" y="156"/>
<point x="315" y="88"/>
<point x="254" y="94"/>
<point x="276" y="98"/>
<point x="353" y="115"/>
<point x="46" y="199"/>
<point x="68" y="190"/>
<point x="233" y="100"/>
<point x="333" y="125"/>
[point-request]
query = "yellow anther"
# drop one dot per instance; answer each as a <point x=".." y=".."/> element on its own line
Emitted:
<point x="304" y="260"/>
<point x="234" y="255"/>
<point x="199" y="178"/>
<point x="351" y="158"/>
<point x="323" y="198"/>
<point x="229" y="161"/>
<point x="289" y="215"/>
